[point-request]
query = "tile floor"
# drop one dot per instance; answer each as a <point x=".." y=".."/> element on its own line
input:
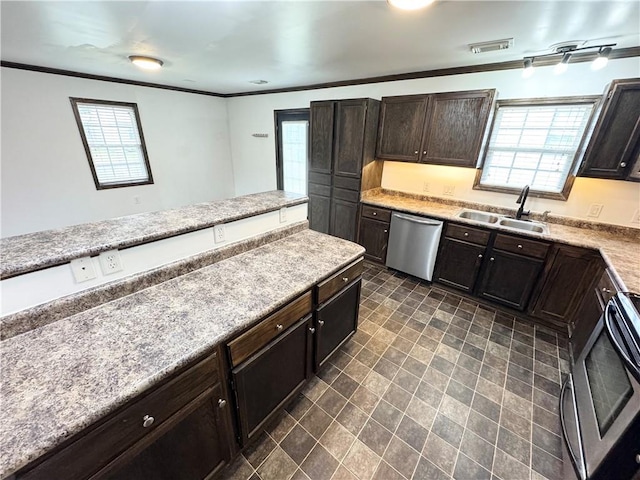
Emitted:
<point x="432" y="386"/>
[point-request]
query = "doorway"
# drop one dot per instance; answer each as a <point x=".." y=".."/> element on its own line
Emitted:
<point x="292" y="149"/>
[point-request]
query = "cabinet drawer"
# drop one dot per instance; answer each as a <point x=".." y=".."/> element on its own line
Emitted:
<point x="336" y="282"/>
<point x="607" y="287"/>
<point x="381" y="214"/>
<point x="102" y="444"/>
<point x="521" y="246"/>
<point x="257" y="337"/>
<point x="468" y="234"/>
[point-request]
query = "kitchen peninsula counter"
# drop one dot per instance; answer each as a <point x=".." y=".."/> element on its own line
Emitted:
<point x="34" y="251"/>
<point x="63" y="377"/>
<point x="619" y="246"/>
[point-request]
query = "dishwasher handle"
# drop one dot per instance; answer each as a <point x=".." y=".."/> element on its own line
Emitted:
<point x="416" y="220"/>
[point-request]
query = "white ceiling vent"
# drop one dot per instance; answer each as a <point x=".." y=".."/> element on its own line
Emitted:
<point x="491" y="46"/>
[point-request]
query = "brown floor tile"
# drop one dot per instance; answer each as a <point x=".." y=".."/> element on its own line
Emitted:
<point x="387" y="415"/>
<point x="278" y="465"/>
<point x="298" y="444"/>
<point x="467" y="469"/>
<point x="514" y="445"/>
<point x="477" y="449"/>
<point x="331" y="402"/>
<point x="361" y="460"/>
<point x="258" y="451"/>
<point x="315" y="421"/>
<point x="401" y="457"/>
<point x="319" y="465"/>
<point x="412" y="433"/>
<point x="375" y="436"/>
<point x="365" y="399"/>
<point x="386" y="472"/>
<point x="440" y="453"/>
<point x="345" y="385"/>
<point x="337" y="440"/>
<point x="352" y="418"/>
<point x="397" y="397"/>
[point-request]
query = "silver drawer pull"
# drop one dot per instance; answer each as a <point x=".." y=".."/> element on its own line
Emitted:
<point x="623" y="164"/>
<point x="492" y="259"/>
<point x="416" y="152"/>
<point x="222" y="403"/>
<point x="375" y="213"/>
<point x="345" y="279"/>
<point x="312" y="330"/>
<point x="386" y="231"/>
<point x="606" y="290"/>
<point x="638" y="458"/>
<point x="466" y="234"/>
<point x="519" y="246"/>
<point x="321" y="322"/>
<point x="480" y="256"/>
<point x="147" y="421"/>
<point x="279" y="327"/>
<point x="424" y="153"/>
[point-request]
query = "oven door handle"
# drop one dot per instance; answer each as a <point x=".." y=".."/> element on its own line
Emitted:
<point x="568" y="384"/>
<point x="608" y="323"/>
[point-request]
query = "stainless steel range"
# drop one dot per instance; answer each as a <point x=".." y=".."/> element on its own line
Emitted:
<point x="600" y="401"/>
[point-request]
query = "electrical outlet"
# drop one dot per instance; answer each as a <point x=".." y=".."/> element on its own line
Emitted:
<point x="636" y="217"/>
<point x="83" y="269"/>
<point x="218" y="233"/>
<point x="425" y="187"/>
<point x="448" y="190"/>
<point x="110" y="262"/>
<point x="283" y="214"/>
<point x="594" y="210"/>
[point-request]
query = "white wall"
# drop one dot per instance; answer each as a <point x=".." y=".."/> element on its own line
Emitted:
<point x="45" y="177"/>
<point x="254" y="158"/>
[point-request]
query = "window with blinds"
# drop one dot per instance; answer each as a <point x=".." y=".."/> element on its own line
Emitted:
<point x="535" y="143"/>
<point x="112" y="137"/>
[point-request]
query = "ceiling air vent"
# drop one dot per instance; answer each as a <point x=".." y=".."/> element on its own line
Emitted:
<point x="491" y="46"/>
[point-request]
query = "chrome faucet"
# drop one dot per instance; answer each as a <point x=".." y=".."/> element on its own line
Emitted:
<point x="521" y="199"/>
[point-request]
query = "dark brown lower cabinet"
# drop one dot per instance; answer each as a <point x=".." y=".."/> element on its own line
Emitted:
<point x="319" y="207"/>
<point x="567" y="277"/>
<point x="344" y="219"/>
<point x="270" y="378"/>
<point x="459" y="263"/>
<point x="336" y="321"/>
<point x="195" y="448"/>
<point x="509" y="278"/>
<point x="374" y="237"/>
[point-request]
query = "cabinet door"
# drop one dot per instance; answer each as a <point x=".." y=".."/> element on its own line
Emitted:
<point x="319" y="207"/>
<point x="195" y="448"/>
<point x="374" y="237"/>
<point x="509" y="278"/>
<point x="616" y="136"/>
<point x="454" y="127"/>
<point x="321" y="127"/>
<point x="400" y="130"/>
<point x="458" y="263"/>
<point x="265" y="382"/>
<point x="344" y="219"/>
<point x="349" y="138"/>
<point x="567" y="278"/>
<point x="336" y="321"/>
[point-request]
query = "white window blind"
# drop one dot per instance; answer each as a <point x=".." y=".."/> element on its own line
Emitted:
<point x="112" y="137"/>
<point x="534" y="145"/>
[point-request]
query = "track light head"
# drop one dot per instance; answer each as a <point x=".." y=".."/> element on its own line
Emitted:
<point x="602" y="59"/>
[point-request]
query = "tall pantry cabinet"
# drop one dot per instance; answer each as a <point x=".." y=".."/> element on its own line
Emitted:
<point x="342" y="163"/>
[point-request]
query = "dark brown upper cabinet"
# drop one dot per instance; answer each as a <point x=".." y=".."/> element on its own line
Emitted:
<point x="401" y="126"/>
<point x="349" y="138"/>
<point x="615" y="143"/>
<point x="321" y="125"/>
<point x="441" y="128"/>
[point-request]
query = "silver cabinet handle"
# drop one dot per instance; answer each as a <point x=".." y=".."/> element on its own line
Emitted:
<point x="416" y="152"/>
<point x="424" y="153"/>
<point x="623" y="164"/>
<point x="345" y="279"/>
<point x="519" y="246"/>
<point x="147" y="421"/>
<point x="386" y="231"/>
<point x="321" y="322"/>
<point x="279" y="327"/>
<point x="606" y="290"/>
<point x="492" y="259"/>
<point x="466" y="234"/>
<point x="638" y="458"/>
<point x="312" y="330"/>
<point x="375" y="214"/>
<point x="222" y="403"/>
<point x="480" y="256"/>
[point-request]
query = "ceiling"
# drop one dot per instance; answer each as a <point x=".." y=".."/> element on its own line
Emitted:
<point x="220" y="46"/>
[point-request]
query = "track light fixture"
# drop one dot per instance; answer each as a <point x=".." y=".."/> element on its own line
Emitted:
<point x="568" y="50"/>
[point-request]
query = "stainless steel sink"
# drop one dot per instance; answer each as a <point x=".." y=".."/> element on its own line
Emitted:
<point x="529" y="226"/>
<point x="476" y="216"/>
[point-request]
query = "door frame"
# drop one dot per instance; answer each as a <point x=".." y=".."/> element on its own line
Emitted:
<point x="283" y="116"/>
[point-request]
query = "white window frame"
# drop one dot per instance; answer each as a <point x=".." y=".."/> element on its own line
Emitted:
<point x="123" y="181"/>
<point x="533" y="102"/>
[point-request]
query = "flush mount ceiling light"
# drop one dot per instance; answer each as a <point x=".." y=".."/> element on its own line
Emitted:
<point x="148" y="63"/>
<point x="409" y="4"/>
<point x="491" y="46"/>
<point x="568" y="51"/>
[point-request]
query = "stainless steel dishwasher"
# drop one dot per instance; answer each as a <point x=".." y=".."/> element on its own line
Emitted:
<point x="413" y="244"/>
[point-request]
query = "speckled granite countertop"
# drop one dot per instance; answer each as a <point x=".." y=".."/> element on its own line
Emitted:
<point x="34" y="251"/>
<point x="620" y="251"/>
<point x="52" y="389"/>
